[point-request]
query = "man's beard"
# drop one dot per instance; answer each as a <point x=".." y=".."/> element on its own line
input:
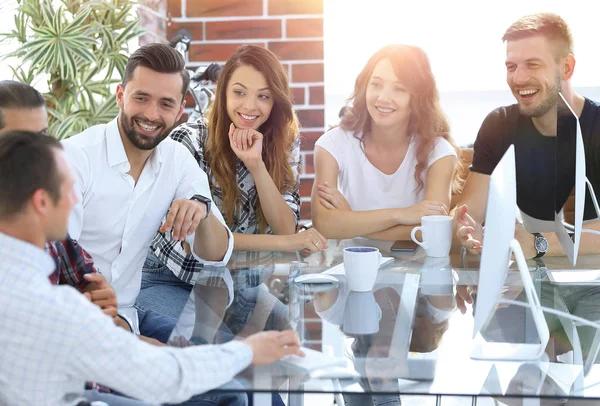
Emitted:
<point x="142" y="141"/>
<point x="549" y="102"/>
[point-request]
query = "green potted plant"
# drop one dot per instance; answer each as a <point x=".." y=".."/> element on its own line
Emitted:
<point x="81" y="48"/>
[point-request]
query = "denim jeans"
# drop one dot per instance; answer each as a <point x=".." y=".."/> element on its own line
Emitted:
<point x="156" y="325"/>
<point x="161" y="291"/>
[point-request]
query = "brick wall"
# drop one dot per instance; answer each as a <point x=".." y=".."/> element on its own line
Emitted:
<point x="292" y="29"/>
<point x="153" y="19"/>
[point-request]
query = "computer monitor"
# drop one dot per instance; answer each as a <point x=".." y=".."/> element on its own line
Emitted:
<point x="499" y="244"/>
<point x="569" y="176"/>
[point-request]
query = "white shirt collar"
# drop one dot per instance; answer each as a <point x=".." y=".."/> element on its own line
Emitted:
<point x="18" y="252"/>
<point x="117" y="157"/>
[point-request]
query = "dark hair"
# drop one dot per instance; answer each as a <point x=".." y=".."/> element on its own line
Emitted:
<point x="27" y="163"/>
<point x="549" y="25"/>
<point x="17" y="95"/>
<point x="160" y="58"/>
<point x="280" y="131"/>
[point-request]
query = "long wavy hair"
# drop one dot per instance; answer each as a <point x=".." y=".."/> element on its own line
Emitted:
<point x="279" y="130"/>
<point x="427" y="120"/>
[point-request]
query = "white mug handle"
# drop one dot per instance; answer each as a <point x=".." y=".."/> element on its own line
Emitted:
<point x="414" y="238"/>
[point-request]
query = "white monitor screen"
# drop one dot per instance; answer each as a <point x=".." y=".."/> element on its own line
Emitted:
<point x="499" y="233"/>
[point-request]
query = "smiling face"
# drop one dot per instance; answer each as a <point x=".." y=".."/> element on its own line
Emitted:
<point x="533" y="74"/>
<point x="249" y="99"/>
<point x="388" y="101"/>
<point x="151" y="104"/>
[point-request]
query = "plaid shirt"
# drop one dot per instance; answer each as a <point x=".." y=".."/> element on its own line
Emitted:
<point x="72" y="262"/>
<point x="193" y="136"/>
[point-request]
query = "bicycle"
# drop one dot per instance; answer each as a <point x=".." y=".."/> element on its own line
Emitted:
<point x="201" y="80"/>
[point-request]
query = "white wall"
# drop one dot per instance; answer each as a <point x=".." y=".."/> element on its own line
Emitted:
<point x="7" y="10"/>
<point x="463" y="41"/>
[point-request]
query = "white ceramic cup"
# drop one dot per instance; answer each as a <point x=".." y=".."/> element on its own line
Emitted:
<point x="361" y="314"/>
<point x="361" y="265"/>
<point x="437" y="235"/>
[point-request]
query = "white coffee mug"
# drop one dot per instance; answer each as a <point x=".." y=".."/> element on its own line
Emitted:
<point x="437" y="235"/>
<point x="361" y="314"/>
<point x="361" y="265"/>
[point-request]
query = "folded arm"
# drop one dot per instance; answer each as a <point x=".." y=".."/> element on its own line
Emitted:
<point x="438" y="189"/>
<point x="389" y="224"/>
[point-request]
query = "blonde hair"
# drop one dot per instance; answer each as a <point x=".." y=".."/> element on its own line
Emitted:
<point x="549" y="25"/>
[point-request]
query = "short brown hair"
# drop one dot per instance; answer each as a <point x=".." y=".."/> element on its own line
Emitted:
<point x="549" y="25"/>
<point x="160" y="58"/>
<point x="17" y="95"/>
<point x="27" y="163"/>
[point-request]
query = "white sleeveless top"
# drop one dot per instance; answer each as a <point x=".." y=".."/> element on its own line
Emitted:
<point x="366" y="187"/>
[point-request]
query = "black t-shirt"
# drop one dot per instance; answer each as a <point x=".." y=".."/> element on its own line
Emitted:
<point x="535" y="157"/>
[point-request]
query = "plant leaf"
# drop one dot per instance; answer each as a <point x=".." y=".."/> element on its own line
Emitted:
<point x="123" y="35"/>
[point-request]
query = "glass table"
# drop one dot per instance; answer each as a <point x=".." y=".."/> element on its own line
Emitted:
<point x="411" y="335"/>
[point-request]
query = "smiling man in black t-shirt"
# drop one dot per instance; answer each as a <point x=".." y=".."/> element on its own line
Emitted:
<point x="539" y="64"/>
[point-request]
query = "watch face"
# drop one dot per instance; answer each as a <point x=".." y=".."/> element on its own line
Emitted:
<point x="541" y="244"/>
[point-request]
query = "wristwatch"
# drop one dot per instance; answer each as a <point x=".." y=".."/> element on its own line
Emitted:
<point x="205" y="200"/>
<point x="541" y="271"/>
<point x="541" y="244"/>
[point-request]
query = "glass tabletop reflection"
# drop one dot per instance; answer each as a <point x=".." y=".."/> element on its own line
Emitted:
<point x="412" y="333"/>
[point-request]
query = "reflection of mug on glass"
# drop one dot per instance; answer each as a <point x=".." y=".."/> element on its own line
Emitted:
<point x="437" y="235"/>
<point x="361" y="265"/>
<point x="362" y="314"/>
<point x="436" y="276"/>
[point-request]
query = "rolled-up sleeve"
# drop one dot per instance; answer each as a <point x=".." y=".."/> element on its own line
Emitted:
<point x="195" y="182"/>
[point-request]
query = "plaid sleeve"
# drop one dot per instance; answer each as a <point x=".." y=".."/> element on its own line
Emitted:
<point x="292" y="195"/>
<point x="190" y="134"/>
<point x="72" y="263"/>
<point x="52" y="251"/>
<point x="171" y="253"/>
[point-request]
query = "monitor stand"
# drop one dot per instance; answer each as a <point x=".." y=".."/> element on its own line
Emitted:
<point x="484" y="350"/>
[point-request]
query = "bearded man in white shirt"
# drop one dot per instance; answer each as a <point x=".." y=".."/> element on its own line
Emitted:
<point x="129" y="174"/>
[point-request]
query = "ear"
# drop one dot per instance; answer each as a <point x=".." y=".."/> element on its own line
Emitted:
<point x="120" y="95"/>
<point x="41" y="202"/>
<point x="568" y="67"/>
<point x="180" y="110"/>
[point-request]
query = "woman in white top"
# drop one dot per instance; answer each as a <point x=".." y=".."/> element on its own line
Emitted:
<point x="392" y="158"/>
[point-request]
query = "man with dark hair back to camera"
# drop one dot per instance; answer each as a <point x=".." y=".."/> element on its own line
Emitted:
<point x="23" y="108"/>
<point x="53" y="339"/>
